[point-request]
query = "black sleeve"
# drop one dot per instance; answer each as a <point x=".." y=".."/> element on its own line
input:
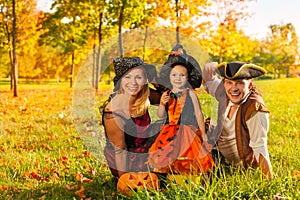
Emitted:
<point x="154" y="96"/>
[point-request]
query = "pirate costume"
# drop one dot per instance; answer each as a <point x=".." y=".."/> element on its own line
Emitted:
<point x="241" y="139"/>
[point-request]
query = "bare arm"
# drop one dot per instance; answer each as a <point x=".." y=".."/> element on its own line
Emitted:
<point x="114" y="129"/>
<point x="198" y="114"/>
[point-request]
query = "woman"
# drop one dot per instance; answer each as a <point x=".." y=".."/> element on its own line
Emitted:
<point x="126" y="117"/>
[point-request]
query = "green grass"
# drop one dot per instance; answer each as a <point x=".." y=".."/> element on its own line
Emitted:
<point x="49" y="147"/>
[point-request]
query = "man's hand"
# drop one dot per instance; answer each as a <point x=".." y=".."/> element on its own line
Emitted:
<point x="209" y="71"/>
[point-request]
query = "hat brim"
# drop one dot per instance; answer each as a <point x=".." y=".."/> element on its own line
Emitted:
<point x="239" y="70"/>
<point x="150" y="70"/>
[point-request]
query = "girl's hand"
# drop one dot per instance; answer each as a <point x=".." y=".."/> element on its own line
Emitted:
<point x="164" y="98"/>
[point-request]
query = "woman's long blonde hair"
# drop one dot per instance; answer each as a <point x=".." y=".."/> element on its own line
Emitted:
<point x="141" y="103"/>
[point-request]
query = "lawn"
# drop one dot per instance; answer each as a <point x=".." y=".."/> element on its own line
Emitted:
<point x="51" y="147"/>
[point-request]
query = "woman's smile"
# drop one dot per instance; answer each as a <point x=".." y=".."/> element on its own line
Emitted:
<point x="133" y="81"/>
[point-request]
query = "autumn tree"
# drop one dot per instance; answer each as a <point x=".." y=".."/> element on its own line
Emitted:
<point x="67" y="32"/>
<point x="181" y="15"/>
<point x="33" y="59"/>
<point x="19" y="29"/>
<point x="281" y="49"/>
<point x="98" y="28"/>
<point x="9" y="28"/>
<point x="227" y="16"/>
<point x="29" y="31"/>
<point x="126" y="15"/>
<point x="94" y="16"/>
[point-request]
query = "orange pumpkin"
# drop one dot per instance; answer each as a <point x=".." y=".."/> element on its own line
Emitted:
<point x="132" y="181"/>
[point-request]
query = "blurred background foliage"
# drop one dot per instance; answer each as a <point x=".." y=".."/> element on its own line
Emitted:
<point x="53" y="44"/>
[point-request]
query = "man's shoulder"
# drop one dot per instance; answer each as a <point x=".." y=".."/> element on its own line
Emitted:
<point x="254" y="103"/>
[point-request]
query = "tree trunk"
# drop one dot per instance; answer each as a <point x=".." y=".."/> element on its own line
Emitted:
<point x="72" y="70"/>
<point x="15" y="63"/>
<point x="11" y="69"/>
<point x="94" y="61"/>
<point x="287" y="74"/>
<point x="120" y="31"/>
<point x="144" y="43"/>
<point x="99" y="51"/>
<point x="221" y="56"/>
<point x="98" y="67"/>
<point x="10" y="48"/>
<point x="177" y="22"/>
<point x="221" y="49"/>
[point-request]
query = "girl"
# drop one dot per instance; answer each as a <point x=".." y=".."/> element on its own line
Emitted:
<point x="181" y="146"/>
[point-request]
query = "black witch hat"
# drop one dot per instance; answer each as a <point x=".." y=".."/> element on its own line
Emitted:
<point x="123" y="64"/>
<point x="178" y="56"/>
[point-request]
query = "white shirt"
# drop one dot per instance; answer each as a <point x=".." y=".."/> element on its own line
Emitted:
<point x="258" y="125"/>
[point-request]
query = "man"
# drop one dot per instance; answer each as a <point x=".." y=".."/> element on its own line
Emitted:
<point x="240" y="136"/>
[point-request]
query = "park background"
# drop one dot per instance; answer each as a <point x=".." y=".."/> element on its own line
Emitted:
<point x="43" y="151"/>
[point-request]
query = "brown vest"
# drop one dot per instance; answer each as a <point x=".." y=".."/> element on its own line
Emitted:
<point x="253" y="104"/>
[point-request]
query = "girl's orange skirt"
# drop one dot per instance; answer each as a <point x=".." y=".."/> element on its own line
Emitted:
<point x="180" y="149"/>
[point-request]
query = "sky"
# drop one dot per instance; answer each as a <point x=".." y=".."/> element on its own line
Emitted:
<point x="266" y="12"/>
<point x="44" y="4"/>
<point x="269" y="12"/>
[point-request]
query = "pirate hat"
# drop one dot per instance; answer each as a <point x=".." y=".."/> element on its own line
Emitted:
<point x="178" y="56"/>
<point x="123" y="64"/>
<point x="239" y="70"/>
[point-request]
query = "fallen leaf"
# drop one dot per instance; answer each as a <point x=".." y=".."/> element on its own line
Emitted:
<point x="92" y="172"/>
<point x="79" y="177"/>
<point x="80" y="192"/>
<point x="70" y="188"/>
<point x="36" y="176"/>
<point x="55" y="176"/>
<point x="86" y="153"/>
<point x="44" y="191"/>
<point x="25" y="174"/>
<point x="3" y="187"/>
<point x="296" y="174"/>
<point x="15" y="189"/>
